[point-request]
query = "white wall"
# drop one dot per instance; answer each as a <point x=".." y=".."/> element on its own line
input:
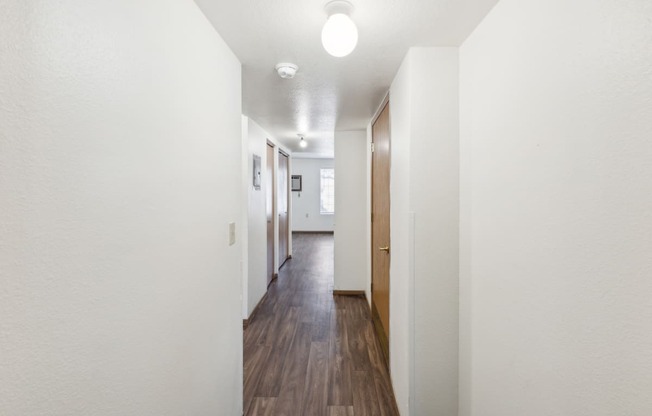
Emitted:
<point x="246" y="241"/>
<point x="400" y="274"/>
<point x="424" y="232"/>
<point x="434" y="200"/>
<point x="305" y="204"/>
<point x="368" y="204"/>
<point x="256" y="281"/>
<point x="556" y="235"/>
<point x="351" y="207"/>
<point x="119" y="173"/>
<point x="256" y="140"/>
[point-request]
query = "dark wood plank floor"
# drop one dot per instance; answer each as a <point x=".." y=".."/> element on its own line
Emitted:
<point x="309" y="353"/>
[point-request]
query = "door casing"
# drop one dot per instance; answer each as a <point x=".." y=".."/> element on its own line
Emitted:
<point x="269" y="203"/>
<point x="283" y="204"/>
<point x="380" y="228"/>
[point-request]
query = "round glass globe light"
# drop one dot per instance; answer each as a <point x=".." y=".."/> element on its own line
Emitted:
<point x="339" y="35"/>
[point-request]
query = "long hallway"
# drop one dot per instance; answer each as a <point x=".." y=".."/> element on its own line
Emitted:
<point x="307" y="352"/>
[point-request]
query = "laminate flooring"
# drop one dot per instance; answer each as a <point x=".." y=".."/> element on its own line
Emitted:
<point x="309" y="353"/>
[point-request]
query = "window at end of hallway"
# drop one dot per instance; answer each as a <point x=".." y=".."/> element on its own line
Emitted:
<point x="327" y="191"/>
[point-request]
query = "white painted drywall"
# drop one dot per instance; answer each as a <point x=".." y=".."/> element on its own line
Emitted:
<point x="119" y="173"/>
<point x="257" y="278"/>
<point x="247" y="179"/>
<point x="368" y="213"/>
<point x="556" y="242"/>
<point x="399" y="336"/>
<point x="434" y="200"/>
<point x="424" y="232"/>
<point x="351" y="208"/>
<point x="305" y="204"/>
<point x="256" y="139"/>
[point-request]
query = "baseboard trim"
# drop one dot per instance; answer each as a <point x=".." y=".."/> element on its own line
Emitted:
<point x="246" y="322"/>
<point x="313" y="232"/>
<point x="274" y="277"/>
<point x="349" y="293"/>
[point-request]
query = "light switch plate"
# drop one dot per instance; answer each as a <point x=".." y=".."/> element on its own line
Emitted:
<point x="231" y="233"/>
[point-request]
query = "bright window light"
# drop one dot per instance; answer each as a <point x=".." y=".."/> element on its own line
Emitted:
<point x="327" y="191"/>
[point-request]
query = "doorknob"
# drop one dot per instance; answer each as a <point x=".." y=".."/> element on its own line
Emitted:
<point x="386" y="248"/>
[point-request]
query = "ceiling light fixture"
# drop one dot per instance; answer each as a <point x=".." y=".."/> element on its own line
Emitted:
<point x="302" y="143"/>
<point x="286" y="70"/>
<point x="339" y="35"/>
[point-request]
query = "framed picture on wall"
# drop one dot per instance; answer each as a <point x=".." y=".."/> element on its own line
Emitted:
<point x="257" y="173"/>
<point x="296" y="183"/>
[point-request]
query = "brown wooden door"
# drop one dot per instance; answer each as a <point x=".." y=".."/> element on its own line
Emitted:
<point x="283" y="224"/>
<point x="380" y="248"/>
<point x="270" y="213"/>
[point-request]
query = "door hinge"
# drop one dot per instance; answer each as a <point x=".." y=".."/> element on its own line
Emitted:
<point x="373" y="148"/>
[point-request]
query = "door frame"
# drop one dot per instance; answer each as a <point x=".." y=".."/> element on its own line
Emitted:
<point x="273" y="275"/>
<point x="282" y="153"/>
<point x="384" y="341"/>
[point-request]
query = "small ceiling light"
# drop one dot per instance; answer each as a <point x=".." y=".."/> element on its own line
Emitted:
<point x="286" y="70"/>
<point x="302" y="143"/>
<point x="339" y="35"/>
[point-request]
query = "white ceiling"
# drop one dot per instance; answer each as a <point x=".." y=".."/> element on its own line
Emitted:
<point x="329" y="93"/>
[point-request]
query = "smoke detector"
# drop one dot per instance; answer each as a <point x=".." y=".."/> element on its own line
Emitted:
<point x="286" y="70"/>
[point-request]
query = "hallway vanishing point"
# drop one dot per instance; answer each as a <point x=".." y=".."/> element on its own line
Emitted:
<point x="308" y="352"/>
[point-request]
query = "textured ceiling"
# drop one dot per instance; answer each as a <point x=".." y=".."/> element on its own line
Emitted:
<point x="328" y="93"/>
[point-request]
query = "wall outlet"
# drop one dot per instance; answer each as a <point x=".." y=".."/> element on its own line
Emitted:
<point x="231" y="233"/>
<point x="307" y="215"/>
